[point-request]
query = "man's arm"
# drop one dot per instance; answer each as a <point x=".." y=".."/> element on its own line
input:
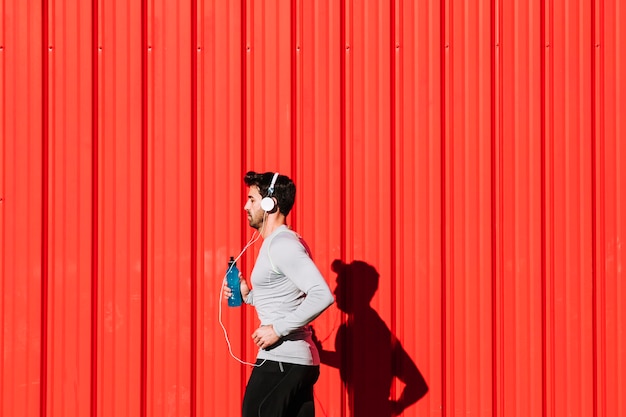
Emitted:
<point x="293" y="260"/>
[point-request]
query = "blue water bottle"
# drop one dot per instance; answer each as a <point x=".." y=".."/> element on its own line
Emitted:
<point x="232" y="280"/>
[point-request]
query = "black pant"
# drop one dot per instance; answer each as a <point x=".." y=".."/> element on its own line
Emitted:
<point x="279" y="389"/>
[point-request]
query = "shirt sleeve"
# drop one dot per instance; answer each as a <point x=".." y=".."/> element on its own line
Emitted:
<point x="292" y="259"/>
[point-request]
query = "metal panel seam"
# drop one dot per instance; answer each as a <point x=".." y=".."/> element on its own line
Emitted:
<point x="144" y="209"/>
<point x="194" y="50"/>
<point x="444" y="228"/>
<point x="293" y="53"/>
<point x="393" y="55"/>
<point x="342" y="148"/>
<point x="43" y="372"/>
<point x="244" y="135"/>
<point x="596" y="199"/>
<point x="94" y="209"/>
<point x="544" y="214"/>
<point x="497" y="239"/>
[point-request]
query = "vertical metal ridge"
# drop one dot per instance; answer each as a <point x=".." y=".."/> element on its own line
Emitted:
<point x="195" y="50"/>
<point x="444" y="271"/>
<point x="293" y="97"/>
<point x="342" y="122"/>
<point x="144" y="210"/>
<point x="594" y="251"/>
<point x="393" y="55"/>
<point x="393" y="65"/>
<point x="293" y="53"/>
<point x="600" y="355"/>
<point x="343" y="153"/>
<point x="43" y="372"/>
<point x="544" y="209"/>
<point x="3" y="190"/>
<point x="94" y="208"/>
<point x="244" y="92"/>
<point x="542" y="122"/>
<point x="497" y="334"/>
<point x="244" y="139"/>
<point x="3" y="238"/>
<point x="597" y="230"/>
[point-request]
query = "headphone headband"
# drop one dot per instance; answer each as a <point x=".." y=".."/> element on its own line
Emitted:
<point x="267" y="203"/>
<point x="270" y="190"/>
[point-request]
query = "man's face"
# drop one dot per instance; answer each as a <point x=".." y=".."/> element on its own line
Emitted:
<point x="253" y="207"/>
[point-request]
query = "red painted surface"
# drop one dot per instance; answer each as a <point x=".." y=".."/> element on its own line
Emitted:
<point x="470" y="154"/>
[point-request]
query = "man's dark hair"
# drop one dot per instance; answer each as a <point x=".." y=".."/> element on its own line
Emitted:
<point x="284" y="189"/>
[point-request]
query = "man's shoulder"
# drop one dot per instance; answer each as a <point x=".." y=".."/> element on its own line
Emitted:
<point x="284" y="239"/>
<point x="286" y="243"/>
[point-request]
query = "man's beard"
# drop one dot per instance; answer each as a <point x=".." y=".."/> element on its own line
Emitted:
<point x="255" y="223"/>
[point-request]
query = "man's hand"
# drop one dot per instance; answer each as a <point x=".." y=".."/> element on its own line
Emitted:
<point x="265" y="336"/>
<point x="243" y="286"/>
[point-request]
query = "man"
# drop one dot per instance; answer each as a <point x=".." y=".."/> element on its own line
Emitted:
<point x="288" y="292"/>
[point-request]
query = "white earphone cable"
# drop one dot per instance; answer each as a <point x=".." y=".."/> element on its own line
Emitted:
<point x="252" y="240"/>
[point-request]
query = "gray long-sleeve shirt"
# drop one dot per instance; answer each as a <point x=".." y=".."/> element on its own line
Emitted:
<point x="288" y="293"/>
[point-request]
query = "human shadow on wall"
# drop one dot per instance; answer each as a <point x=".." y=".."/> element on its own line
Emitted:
<point x="367" y="354"/>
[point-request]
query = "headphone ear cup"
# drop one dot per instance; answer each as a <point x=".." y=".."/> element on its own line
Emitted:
<point x="267" y="204"/>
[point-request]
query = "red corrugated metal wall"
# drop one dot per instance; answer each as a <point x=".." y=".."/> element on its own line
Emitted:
<point x="470" y="152"/>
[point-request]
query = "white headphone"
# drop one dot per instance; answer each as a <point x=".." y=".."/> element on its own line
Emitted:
<point x="267" y="203"/>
